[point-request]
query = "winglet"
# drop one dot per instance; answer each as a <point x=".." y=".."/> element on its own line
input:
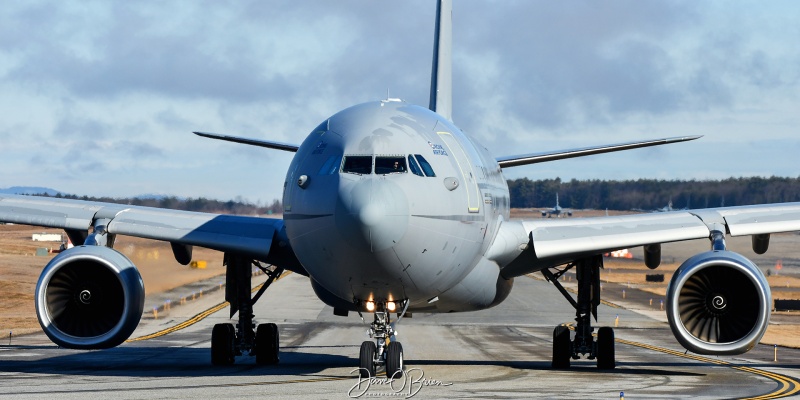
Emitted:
<point x="252" y="142"/>
<point x="442" y="72"/>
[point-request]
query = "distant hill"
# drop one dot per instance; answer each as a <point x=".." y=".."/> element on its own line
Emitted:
<point x="29" y="190"/>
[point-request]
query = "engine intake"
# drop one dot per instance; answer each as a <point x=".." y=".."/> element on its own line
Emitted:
<point x="718" y="302"/>
<point x="89" y="297"/>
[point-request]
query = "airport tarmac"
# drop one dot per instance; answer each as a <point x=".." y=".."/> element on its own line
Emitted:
<point x="503" y="352"/>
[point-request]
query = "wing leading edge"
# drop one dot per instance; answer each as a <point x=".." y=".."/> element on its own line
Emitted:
<point x="531" y="245"/>
<point x="227" y="233"/>
<point x="525" y="159"/>
<point x="251" y="142"/>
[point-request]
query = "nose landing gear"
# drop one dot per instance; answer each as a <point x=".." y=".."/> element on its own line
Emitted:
<point x="385" y="351"/>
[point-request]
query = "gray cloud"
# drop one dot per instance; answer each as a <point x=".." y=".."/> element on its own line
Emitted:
<point x="606" y="58"/>
<point x="132" y="79"/>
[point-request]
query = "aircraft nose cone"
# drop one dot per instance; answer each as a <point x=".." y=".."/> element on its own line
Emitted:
<point x="372" y="214"/>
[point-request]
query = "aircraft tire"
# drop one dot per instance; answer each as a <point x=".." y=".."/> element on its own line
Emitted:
<point x="223" y="338"/>
<point x="394" y="360"/>
<point x="267" y="344"/>
<point x="367" y="359"/>
<point x="605" y="348"/>
<point x="562" y="347"/>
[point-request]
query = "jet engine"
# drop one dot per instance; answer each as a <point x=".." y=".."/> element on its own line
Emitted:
<point x="718" y="303"/>
<point x="89" y="297"/>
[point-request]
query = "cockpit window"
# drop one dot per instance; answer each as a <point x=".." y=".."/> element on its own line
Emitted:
<point x="390" y="165"/>
<point x="357" y="165"/>
<point x="426" y="167"/>
<point x="413" y="166"/>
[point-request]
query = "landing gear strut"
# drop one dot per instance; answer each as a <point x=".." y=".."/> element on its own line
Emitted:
<point x="385" y="350"/>
<point x="228" y="342"/>
<point x="602" y="349"/>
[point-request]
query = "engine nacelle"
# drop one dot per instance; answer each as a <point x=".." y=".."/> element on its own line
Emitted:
<point x="718" y="303"/>
<point x="89" y="297"/>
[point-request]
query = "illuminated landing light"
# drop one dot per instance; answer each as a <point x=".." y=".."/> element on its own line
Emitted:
<point x="370" y="306"/>
<point x="391" y="306"/>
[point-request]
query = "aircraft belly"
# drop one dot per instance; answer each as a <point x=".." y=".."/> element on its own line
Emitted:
<point x="344" y="266"/>
<point x="436" y="257"/>
<point x="482" y="288"/>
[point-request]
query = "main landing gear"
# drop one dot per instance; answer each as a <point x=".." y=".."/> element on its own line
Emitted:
<point x="385" y="351"/>
<point x="602" y="349"/>
<point x="263" y="341"/>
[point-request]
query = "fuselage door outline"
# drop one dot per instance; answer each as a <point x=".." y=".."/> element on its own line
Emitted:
<point x="464" y="166"/>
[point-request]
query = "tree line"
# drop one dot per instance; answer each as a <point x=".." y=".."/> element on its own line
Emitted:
<point x="239" y="206"/>
<point x="651" y="194"/>
<point x="642" y="194"/>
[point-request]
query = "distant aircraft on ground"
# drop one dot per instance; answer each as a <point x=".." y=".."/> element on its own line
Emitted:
<point x="557" y="211"/>
<point x="666" y="208"/>
<point x="669" y="208"/>
<point x="390" y="208"/>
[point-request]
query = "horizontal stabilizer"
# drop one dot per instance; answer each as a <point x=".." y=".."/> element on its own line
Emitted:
<point x="513" y="161"/>
<point x="252" y="142"/>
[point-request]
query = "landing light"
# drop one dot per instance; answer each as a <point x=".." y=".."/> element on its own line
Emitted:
<point x="391" y="306"/>
<point x="370" y="306"/>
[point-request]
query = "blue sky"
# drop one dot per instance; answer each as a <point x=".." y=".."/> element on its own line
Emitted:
<point x="100" y="98"/>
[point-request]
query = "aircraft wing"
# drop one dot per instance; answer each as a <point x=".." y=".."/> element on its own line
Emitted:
<point x="253" y="142"/>
<point x="228" y="233"/>
<point x="534" y="158"/>
<point x="531" y="245"/>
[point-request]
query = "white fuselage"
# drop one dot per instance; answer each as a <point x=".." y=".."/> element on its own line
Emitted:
<point x="388" y="201"/>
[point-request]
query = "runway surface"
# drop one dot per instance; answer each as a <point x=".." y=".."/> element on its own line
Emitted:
<point x="503" y="352"/>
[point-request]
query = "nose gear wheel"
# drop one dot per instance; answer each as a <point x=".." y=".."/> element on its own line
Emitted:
<point x="385" y="351"/>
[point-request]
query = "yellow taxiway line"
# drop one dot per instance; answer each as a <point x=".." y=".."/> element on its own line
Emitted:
<point x="197" y="318"/>
<point x="787" y="386"/>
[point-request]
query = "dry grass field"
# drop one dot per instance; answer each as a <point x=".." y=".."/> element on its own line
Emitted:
<point x="20" y="269"/>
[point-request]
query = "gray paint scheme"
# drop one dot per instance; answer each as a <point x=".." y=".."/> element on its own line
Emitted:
<point x="535" y="158"/>
<point x="443" y="243"/>
<point x="441" y="76"/>
<point x="253" y="142"/>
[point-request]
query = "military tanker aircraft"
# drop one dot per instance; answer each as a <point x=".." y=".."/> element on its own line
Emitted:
<point x="389" y="208"/>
